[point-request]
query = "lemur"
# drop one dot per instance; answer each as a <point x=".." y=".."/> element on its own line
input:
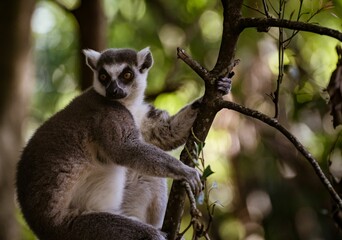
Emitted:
<point x="97" y="169"/>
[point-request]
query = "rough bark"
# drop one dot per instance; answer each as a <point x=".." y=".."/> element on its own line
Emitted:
<point x="15" y="86"/>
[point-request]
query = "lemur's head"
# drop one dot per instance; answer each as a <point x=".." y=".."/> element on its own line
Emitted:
<point x="120" y="74"/>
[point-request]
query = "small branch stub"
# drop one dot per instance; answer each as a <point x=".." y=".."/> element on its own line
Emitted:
<point x="194" y="65"/>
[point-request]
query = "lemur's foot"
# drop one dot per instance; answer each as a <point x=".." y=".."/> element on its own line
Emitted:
<point x="224" y="84"/>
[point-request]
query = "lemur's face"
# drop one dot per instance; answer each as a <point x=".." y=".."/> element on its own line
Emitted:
<point x="119" y="73"/>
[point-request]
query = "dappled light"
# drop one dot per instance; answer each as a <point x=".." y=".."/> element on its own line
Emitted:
<point x="57" y="73"/>
<point x="259" y="205"/>
<point x="171" y="37"/>
<point x="211" y="27"/>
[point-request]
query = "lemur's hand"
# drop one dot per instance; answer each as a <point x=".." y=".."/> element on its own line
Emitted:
<point x="224" y="84"/>
<point x="193" y="177"/>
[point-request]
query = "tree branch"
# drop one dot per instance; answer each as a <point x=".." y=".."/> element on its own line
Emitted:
<point x="275" y="124"/>
<point x="295" y="25"/>
<point x="201" y="128"/>
<point x="230" y="35"/>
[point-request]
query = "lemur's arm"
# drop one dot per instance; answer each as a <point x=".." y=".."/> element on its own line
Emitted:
<point x="142" y="157"/>
<point x="169" y="132"/>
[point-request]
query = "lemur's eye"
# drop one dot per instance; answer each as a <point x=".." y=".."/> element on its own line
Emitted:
<point x="103" y="77"/>
<point x="128" y="75"/>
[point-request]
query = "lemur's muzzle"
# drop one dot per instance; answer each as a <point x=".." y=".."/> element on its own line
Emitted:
<point x="113" y="91"/>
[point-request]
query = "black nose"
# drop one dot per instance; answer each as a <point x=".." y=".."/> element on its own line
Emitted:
<point x="113" y="91"/>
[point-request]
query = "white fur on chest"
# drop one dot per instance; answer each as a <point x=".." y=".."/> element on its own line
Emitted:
<point x="138" y="111"/>
<point x="101" y="190"/>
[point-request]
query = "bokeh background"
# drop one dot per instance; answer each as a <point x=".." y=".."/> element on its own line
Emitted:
<point x="264" y="187"/>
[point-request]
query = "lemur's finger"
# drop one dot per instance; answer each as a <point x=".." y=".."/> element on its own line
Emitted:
<point x="197" y="184"/>
<point x="224" y="85"/>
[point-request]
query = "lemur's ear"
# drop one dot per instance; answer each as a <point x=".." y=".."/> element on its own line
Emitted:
<point x="145" y="60"/>
<point x="91" y="58"/>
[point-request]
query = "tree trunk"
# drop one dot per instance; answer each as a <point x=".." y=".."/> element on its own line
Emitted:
<point x="15" y="86"/>
<point x="92" y="34"/>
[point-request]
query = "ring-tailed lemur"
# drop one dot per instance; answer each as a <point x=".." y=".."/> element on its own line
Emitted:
<point x="90" y="171"/>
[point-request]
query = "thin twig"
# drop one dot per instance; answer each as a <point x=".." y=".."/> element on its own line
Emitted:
<point x="254" y="9"/>
<point x="265" y="8"/>
<point x="295" y="32"/>
<point x="273" y="8"/>
<point x="275" y="124"/>
<point x="281" y="52"/>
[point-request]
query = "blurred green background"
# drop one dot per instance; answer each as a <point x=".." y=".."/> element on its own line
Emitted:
<point x="266" y="188"/>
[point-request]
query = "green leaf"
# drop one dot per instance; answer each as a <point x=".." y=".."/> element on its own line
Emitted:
<point x="207" y="172"/>
<point x="198" y="148"/>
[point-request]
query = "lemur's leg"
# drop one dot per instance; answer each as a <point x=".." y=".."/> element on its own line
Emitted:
<point x="157" y="206"/>
<point x="149" y="193"/>
<point x="106" y="226"/>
